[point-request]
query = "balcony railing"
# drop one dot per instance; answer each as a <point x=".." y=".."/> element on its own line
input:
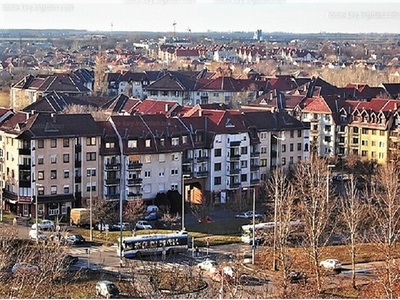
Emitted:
<point x="78" y="148"/>
<point x="254" y="167"/>
<point x="135" y="166"/>
<point x="112" y="181"/>
<point x="234" y="171"/>
<point x="201" y="174"/>
<point x="254" y="181"/>
<point x="112" y="166"/>
<point x="234" y="157"/>
<point x="202" y="158"/>
<point x="78" y="179"/>
<point x="24" y="151"/>
<point x="234" y="185"/>
<point x="78" y="163"/>
<point x="135" y="181"/>
<point x="24" y="167"/>
<point x="187" y="160"/>
<point x="112" y="197"/>
<point x="134" y="197"/>
<point x="255" y="154"/>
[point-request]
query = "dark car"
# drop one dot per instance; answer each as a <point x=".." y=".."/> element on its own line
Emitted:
<point x="297" y="277"/>
<point x="75" y="239"/>
<point x="69" y="260"/>
<point x="245" y="279"/>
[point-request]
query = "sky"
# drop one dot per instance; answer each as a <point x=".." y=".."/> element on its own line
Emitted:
<point x="295" y="16"/>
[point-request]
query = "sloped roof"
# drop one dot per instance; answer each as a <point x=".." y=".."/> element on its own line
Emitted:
<point x="121" y="103"/>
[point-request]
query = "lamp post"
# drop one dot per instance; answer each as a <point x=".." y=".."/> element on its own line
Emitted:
<point x="91" y="207"/>
<point x="327" y="181"/>
<point x="253" y="249"/>
<point x="36" y="212"/>
<point x="1" y="190"/>
<point x="274" y="260"/>
<point x="183" y="195"/>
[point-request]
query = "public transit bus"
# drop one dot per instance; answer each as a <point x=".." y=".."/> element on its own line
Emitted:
<point x="266" y="229"/>
<point x="144" y="245"/>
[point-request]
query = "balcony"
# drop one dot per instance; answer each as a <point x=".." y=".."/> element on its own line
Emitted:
<point x="135" y="181"/>
<point x="24" y="167"/>
<point x="255" y="154"/>
<point x="187" y="160"/>
<point x="314" y="131"/>
<point x="254" y="181"/>
<point x="78" y="179"/>
<point x="134" y="197"/>
<point x="234" y="185"/>
<point x="234" y="144"/>
<point x="254" y="167"/>
<point x="394" y="135"/>
<point x="187" y="173"/>
<point x="202" y="159"/>
<point x="78" y="148"/>
<point x="201" y="174"/>
<point x="235" y="171"/>
<point x="112" y="166"/>
<point x="78" y="163"/>
<point x="24" y="151"/>
<point x="135" y="166"/>
<point x="24" y="183"/>
<point x="234" y="157"/>
<point x="112" y="181"/>
<point x="112" y="197"/>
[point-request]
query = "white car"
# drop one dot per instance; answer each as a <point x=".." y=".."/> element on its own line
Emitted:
<point x="248" y="215"/>
<point x="33" y="233"/>
<point x="143" y="225"/>
<point x="330" y="263"/>
<point x="208" y="265"/>
<point x="24" y="267"/>
<point x="44" y="224"/>
<point x="107" y="289"/>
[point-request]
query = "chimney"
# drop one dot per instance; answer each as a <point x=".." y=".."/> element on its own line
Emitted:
<point x="166" y="107"/>
<point x="200" y="112"/>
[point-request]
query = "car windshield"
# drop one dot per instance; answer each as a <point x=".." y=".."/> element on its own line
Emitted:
<point x="112" y="288"/>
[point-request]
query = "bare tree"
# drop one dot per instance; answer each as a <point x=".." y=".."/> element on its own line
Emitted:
<point x="133" y="211"/>
<point x="353" y="213"/>
<point x="311" y="189"/>
<point x="385" y="210"/>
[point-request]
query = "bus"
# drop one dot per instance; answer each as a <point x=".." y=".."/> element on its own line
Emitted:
<point x="264" y="228"/>
<point x="144" y="245"/>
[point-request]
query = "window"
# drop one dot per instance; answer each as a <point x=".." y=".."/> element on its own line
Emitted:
<point x="161" y="187"/>
<point x="263" y="135"/>
<point x="298" y="146"/>
<point x="263" y="149"/>
<point x="364" y="153"/>
<point x="298" y="133"/>
<point x="110" y="145"/>
<point x="148" y="143"/>
<point x="174" y="186"/>
<point x="66" y="189"/>
<point x="243" y="150"/>
<point x="161" y="157"/>
<point x="53" y="174"/>
<point x="175" y="141"/>
<point x="217" y="167"/>
<point x="147" y="159"/>
<point x="373" y="131"/>
<point x="364" y="142"/>
<point x="161" y="172"/>
<point x="291" y="134"/>
<point x="291" y="147"/>
<point x="91" y="156"/>
<point x="373" y="154"/>
<point x="355" y="140"/>
<point x="381" y="144"/>
<point x="327" y="118"/>
<point x="132" y="144"/>
<point x="283" y="161"/>
<point x="40" y="190"/>
<point x="243" y="177"/>
<point x="40" y="143"/>
<point x="174" y="171"/>
<point x="381" y="155"/>
<point x="66" y="173"/>
<point x="217" y="180"/>
<point x="243" y="164"/>
<point x="53" y="143"/>
<point x="53" y="190"/>
<point x="162" y="142"/>
<point x="174" y="156"/>
<point x="40" y="160"/>
<point x="284" y="148"/>
<point x="184" y="139"/>
<point x="90" y="141"/>
<point x="291" y="160"/>
<point x="65" y="143"/>
<point x="53" y="158"/>
<point x="147" y="174"/>
<point x="328" y="128"/>
<point x="263" y="162"/>
<point x="327" y="138"/>
<point x="66" y="158"/>
<point x="40" y="175"/>
<point x="355" y="129"/>
<point x="364" y="131"/>
<point x="90" y="172"/>
<point x="373" y="143"/>
<point x="217" y="152"/>
<point x="381" y="132"/>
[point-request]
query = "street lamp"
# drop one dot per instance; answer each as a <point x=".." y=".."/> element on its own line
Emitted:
<point x="327" y="182"/>
<point x="91" y="206"/>
<point x="253" y="243"/>
<point x="183" y="195"/>
<point x="37" y="212"/>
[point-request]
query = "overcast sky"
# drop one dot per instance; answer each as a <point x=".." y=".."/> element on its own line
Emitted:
<point x="307" y="16"/>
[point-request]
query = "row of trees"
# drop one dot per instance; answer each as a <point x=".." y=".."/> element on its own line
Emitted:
<point x="367" y="213"/>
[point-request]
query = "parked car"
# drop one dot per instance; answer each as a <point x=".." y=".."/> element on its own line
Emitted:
<point x="297" y="277"/>
<point x="331" y="263"/>
<point x="245" y="279"/>
<point x="341" y="177"/>
<point x="107" y="289"/>
<point x="24" y="267"/>
<point x="208" y="265"/>
<point x="75" y="239"/>
<point x="206" y="220"/>
<point x="69" y="260"/>
<point x="249" y="215"/>
<point x="33" y="233"/>
<point x="117" y="227"/>
<point x="153" y="216"/>
<point x="102" y="226"/>
<point x="44" y="225"/>
<point x="143" y="225"/>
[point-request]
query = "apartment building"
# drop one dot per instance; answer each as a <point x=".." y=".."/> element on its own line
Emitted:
<point x="57" y="163"/>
